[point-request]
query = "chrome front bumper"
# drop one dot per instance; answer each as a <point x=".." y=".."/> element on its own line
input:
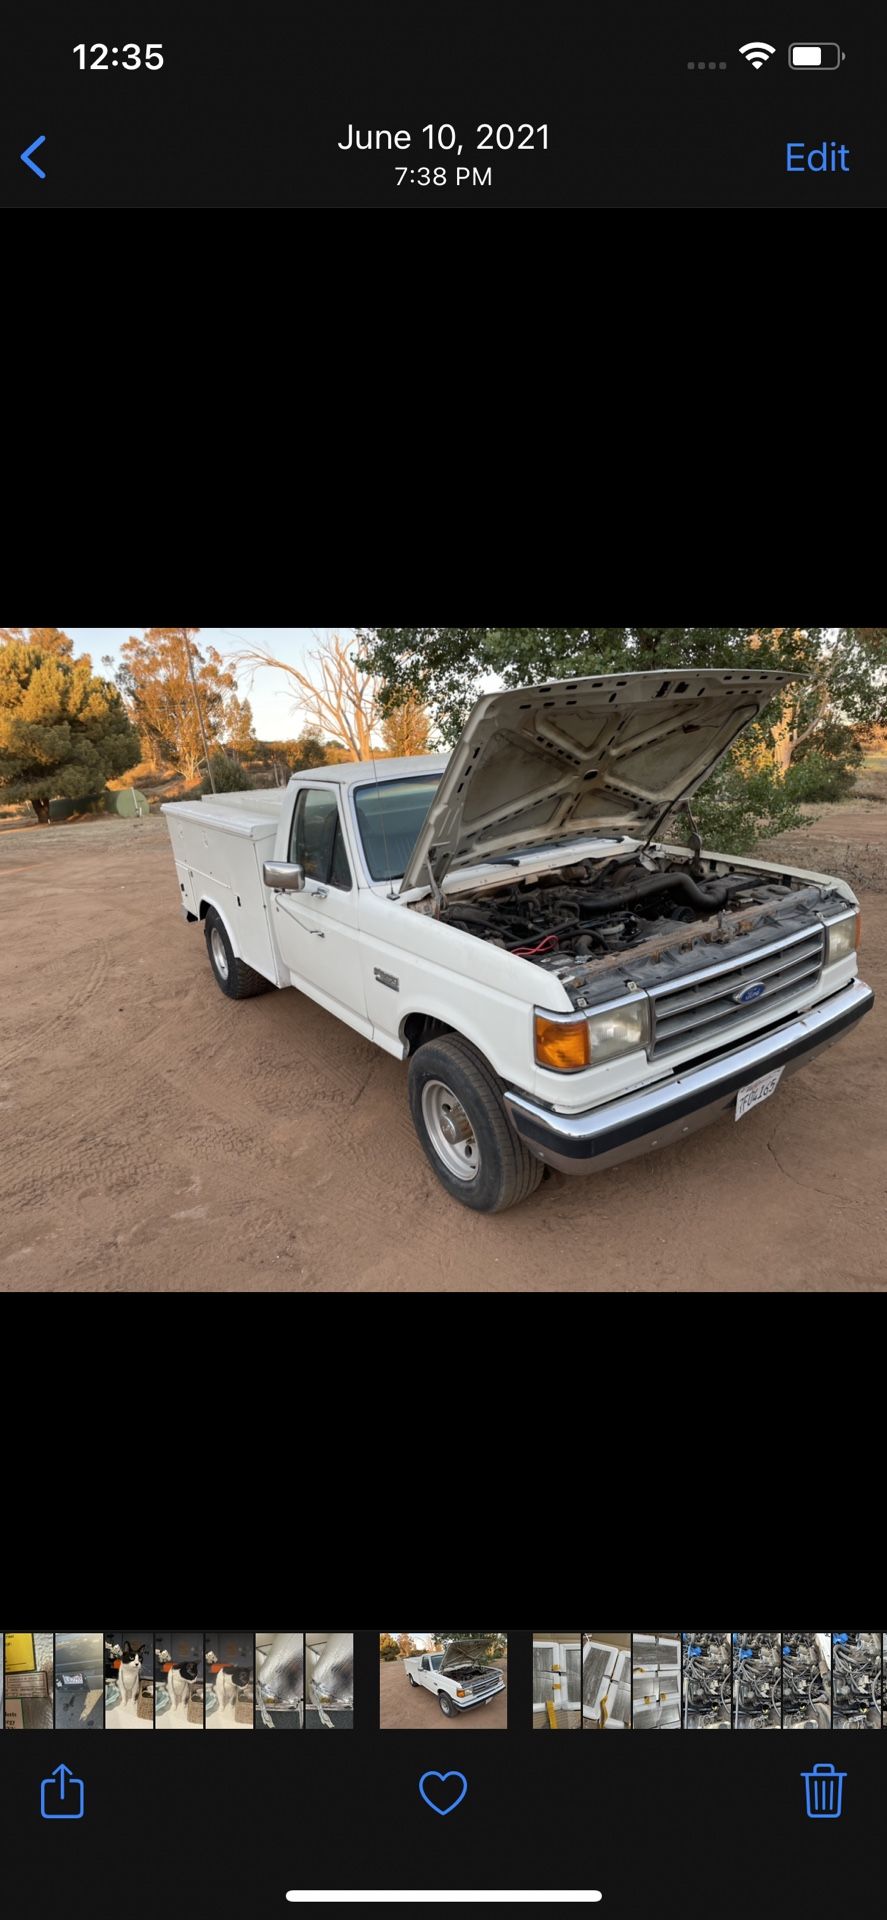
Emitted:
<point x="657" y="1115"/>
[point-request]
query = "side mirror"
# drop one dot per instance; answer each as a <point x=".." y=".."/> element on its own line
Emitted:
<point x="284" y="874"/>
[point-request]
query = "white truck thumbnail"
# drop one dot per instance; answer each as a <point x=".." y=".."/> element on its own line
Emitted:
<point x="567" y="989"/>
<point x="457" y="1678"/>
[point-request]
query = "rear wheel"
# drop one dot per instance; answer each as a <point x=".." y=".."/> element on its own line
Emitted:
<point x="460" y="1117"/>
<point x="411" y="1679"/>
<point x="235" y="978"/>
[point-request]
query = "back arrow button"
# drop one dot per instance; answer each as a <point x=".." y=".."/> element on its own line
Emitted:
<point x="26" y="156"/>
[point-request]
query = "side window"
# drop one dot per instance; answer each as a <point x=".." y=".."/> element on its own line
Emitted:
<point x="316" y="841"/>
<point x="340" y="872"/>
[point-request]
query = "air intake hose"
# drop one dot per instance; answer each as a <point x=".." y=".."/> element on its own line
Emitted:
<point x="708" y="898"/>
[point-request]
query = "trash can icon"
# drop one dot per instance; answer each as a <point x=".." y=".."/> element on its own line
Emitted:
<point x="825" y="1788"/>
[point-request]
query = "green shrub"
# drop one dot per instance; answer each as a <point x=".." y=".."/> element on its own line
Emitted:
<point x="735" y="810"/>
<point x="815" y="777"/>
<point x="229" y="776"/>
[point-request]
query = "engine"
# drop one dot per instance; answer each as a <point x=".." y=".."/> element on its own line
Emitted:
<point x="806" y="1680"/>
<point x="856" y="1680"/>
<point x="707" y="1672"/>
<point x="582" y="910"/>
<point x="757" y="1681"/>
<point x="572" y="920"/>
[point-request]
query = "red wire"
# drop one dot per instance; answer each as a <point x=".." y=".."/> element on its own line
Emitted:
<point x="524" y="953"/>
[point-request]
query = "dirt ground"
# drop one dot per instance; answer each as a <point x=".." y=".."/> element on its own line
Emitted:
<point x="158" y="1137"/>
<point x="401" y="1705"/>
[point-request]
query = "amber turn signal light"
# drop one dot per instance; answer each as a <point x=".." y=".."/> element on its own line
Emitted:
<point x="562" y="1044"/>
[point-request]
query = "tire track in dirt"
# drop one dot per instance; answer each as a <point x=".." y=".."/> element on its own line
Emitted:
<point x="74" y="1000"/>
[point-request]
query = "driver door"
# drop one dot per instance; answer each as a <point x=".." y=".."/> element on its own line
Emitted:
<point x="316" y="929"/>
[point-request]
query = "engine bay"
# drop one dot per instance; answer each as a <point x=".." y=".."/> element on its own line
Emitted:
<point x="857" y="1681"/>
<point x="576" y="921"/>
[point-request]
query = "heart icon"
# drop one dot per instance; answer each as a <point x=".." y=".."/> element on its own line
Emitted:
<point x="442" y="1777"/>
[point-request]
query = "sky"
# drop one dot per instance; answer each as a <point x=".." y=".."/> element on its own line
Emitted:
<point x="274" y="715"/>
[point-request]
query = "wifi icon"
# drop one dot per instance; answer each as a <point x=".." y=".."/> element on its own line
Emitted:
<point x="756" y="52"/>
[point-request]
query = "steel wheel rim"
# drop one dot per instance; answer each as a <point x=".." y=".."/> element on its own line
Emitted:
<point x="219" y="955"/>
<point x="450" y="1131"/>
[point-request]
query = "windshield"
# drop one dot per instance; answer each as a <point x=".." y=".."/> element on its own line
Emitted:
<point x="390" y="815"/>
<point x="435" y="1659"/>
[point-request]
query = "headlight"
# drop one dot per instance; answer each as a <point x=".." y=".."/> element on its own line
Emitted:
<point x="621" y="1030"/>
<point x="843" y="937"/>
<point x="568" y="1045"/>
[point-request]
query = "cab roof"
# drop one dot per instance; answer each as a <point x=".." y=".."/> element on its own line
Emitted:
<point x="369" y="770"/>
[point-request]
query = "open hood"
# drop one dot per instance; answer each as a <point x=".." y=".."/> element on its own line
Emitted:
<point x="614" y="754"/>
<point x="464" y="1653"/>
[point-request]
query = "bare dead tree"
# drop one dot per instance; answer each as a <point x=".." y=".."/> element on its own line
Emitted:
<point x="336" y="697"/>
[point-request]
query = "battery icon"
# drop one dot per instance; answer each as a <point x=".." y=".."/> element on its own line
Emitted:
<point x="809" y="56"/>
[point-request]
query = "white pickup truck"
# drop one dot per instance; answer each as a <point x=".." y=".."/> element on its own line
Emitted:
<point x="568" y="990"/>
<point x="456" y="1677"/>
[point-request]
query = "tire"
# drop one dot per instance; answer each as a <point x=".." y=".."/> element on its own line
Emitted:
<point x="235" y="978"/>
<point x="504" y="1171"/>
<point x="446" y="1705"/>
<point x="411" y="1680"/>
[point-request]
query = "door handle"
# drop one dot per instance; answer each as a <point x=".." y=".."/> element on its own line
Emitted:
<point x="302" y="923"/>
<point x="318" y="893"/>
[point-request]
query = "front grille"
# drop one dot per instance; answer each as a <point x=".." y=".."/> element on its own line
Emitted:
<point x="490" y="1679"/>
<point x="703" y="1008"/>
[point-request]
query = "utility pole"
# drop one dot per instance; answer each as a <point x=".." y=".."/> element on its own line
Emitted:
<point x="184" y="633"/>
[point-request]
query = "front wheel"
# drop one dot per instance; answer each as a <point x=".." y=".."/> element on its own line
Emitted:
<point x="460" y="1117"/>
<point x="446" y="1705"/>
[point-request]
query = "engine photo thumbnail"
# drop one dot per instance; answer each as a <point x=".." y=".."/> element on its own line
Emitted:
<point x="857" y="1676"/>
<point x="757" y="1682"/>
<point x="806" y="1681"/>
<point x="707" y="1681"/>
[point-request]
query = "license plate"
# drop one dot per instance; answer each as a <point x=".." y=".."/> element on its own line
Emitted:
<point x="758" y="1090"/>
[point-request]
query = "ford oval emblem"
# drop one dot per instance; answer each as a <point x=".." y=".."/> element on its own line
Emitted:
<point x="749" y="993"/>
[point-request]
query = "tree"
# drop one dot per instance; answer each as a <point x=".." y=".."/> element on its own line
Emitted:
<point x="336" y="696"/>
<point x="228" y="775"/>
<point x="48" y="639"/>
<point x="291" y="756"/>
<point x="482" y="1641"/>
<point x="240" y="734"/>
<point x="406" y="1646"/>
<point x="843" y="668"/>
<point x="388" y="1647"/>
<point x="155" y="681"/>
<point x="63" y="730"/>
<point x="309" y="752"/>
<point x="843" y="671"/>
<point x="406" y="727"/>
